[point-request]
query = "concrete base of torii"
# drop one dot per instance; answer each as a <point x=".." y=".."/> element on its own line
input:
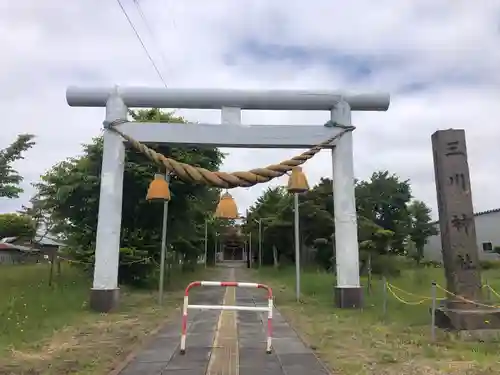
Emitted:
<point x="104" y="300"/>
<point x="349" y="298"/>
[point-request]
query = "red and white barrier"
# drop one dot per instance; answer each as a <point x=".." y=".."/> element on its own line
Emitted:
<point x="187" y="306"/>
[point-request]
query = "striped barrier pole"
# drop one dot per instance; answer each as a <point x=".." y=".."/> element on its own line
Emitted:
<point x="186" y="306"/>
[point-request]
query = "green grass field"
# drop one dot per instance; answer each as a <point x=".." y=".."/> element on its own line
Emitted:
<point x="31" y="309"/>
<point x="366" y="342"/>
<point x="47" y="330"/>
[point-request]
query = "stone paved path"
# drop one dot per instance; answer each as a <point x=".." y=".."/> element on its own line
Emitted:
<point x="227" y="343"/>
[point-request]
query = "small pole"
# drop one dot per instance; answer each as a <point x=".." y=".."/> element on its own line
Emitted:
<point x="297" y="247"/>
<point x="51" y="271"/>
<point x="250" y="248"/>
<point x="433" y="312"/>
<point x="163" y="248"/>
<point x="206" y="242"/>
<point x="260" y="242"/>
<point x="215" y="247"/>
<point x="384" y="296"/>
<point x="488" y="290"/>
<point x="58" y="265"/>
<point x="369" y="273"/>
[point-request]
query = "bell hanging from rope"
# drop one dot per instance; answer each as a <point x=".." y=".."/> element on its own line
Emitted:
<point x="226" y="209"/>
<point x="158" y="189"/>
<point x="297" y="183"/>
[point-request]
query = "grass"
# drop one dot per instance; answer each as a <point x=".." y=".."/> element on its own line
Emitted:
<point x="366" y="342"/>
<point x="50" y="330"/>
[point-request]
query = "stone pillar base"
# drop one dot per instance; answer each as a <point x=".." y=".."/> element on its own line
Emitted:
<point x="104" y="300"/>
<point x="349" y="297"/>
<point x="475" y="318"/>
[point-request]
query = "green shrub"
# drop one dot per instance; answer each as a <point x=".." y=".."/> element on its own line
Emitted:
<point x="431" y="264"/>
<point x="324" y="255"/>
<point x="384" y="265"/>
<point x="16" y="225"/>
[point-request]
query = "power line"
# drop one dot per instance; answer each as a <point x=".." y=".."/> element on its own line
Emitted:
<point x="142" y="42"/>
<point x="151" y="33"/>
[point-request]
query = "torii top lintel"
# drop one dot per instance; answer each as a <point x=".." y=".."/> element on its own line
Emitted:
<point x="143" y="97"/>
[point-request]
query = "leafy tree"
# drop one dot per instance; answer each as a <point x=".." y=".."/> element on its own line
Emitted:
<point x="383" y="200"/>
<point x="41" y="219"/>
<point x="69" y="195"/>
<point x="384" y="222"/>
<point x="16" y="225"/>
<point x="9" y="177"/>
<point x="421" y="227"/>
<point x="274" y="208"/>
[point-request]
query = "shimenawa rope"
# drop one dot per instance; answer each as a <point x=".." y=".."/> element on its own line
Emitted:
<point x="192" y="174"/>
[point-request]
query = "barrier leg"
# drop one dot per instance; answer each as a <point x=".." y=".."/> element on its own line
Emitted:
<point x="269" y="325"/>
<point x="184" y="324"/>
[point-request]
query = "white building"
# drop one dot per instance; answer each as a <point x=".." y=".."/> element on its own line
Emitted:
<point x="487" y="232"/>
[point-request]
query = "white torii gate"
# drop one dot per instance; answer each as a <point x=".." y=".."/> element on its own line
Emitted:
<point x="230" y="133"/>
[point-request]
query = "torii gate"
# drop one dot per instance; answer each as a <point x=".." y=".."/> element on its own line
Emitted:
<point x="230" y="133"/>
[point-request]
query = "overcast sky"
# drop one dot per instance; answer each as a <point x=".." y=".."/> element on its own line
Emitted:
<point x="439" y="59"/>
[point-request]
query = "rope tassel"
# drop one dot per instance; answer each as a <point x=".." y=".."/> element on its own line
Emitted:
<point x="224" y="180"/>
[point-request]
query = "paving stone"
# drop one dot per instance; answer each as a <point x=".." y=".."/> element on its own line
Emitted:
<point x="199" y="339"/>
<point x="184" y="372"/>
<point x="256" y="357"/>
<point x="283" y="332"/>
<point x="156" y="355"/>
<point x="194" y="359"/>
<point x="144" y="368"/>
<point x="259" y="369"/>
<point x="305" y="362"/>
<point x="301" y="371"/>
<point x="290" y="345"/>
<point x="251" y="343"/>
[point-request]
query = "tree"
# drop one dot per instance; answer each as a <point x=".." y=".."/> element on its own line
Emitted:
<point x="9" y="177"/>
<point x="16" y="225"/>
<point x="69" y="194"/>
<point x="41" y="218"/>
<point x="383" y="199"/>
<point x="384" y="221"/>
<point x="421" y="227"/>
<point x="275" y="208"/>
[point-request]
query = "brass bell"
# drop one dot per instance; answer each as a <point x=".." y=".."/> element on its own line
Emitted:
<point x="297" y="183"/>
<point x="158" y="189"/>
<point x="226" y="209"/>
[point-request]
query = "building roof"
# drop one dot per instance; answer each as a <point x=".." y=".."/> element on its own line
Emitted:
<point x="39" y="239"/>
<point x="10" y="246"/>
<point x="487" y="212"/>
<point x="480" y="213"/>
<point x="47" y="240"/>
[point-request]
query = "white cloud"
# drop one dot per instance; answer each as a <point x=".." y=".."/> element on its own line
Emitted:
<point x="446" y="48"/>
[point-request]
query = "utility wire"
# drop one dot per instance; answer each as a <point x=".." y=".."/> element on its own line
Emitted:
<point x="142" y="42"/>
<point x="151" y="33"/>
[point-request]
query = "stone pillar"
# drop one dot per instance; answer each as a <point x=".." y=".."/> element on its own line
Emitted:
<point x="348" y="292"/>
<point x="456" y="216"/>
<point x="458" y="238"/>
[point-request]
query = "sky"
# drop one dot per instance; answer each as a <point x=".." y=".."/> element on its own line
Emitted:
<point x="439" y="60"/>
